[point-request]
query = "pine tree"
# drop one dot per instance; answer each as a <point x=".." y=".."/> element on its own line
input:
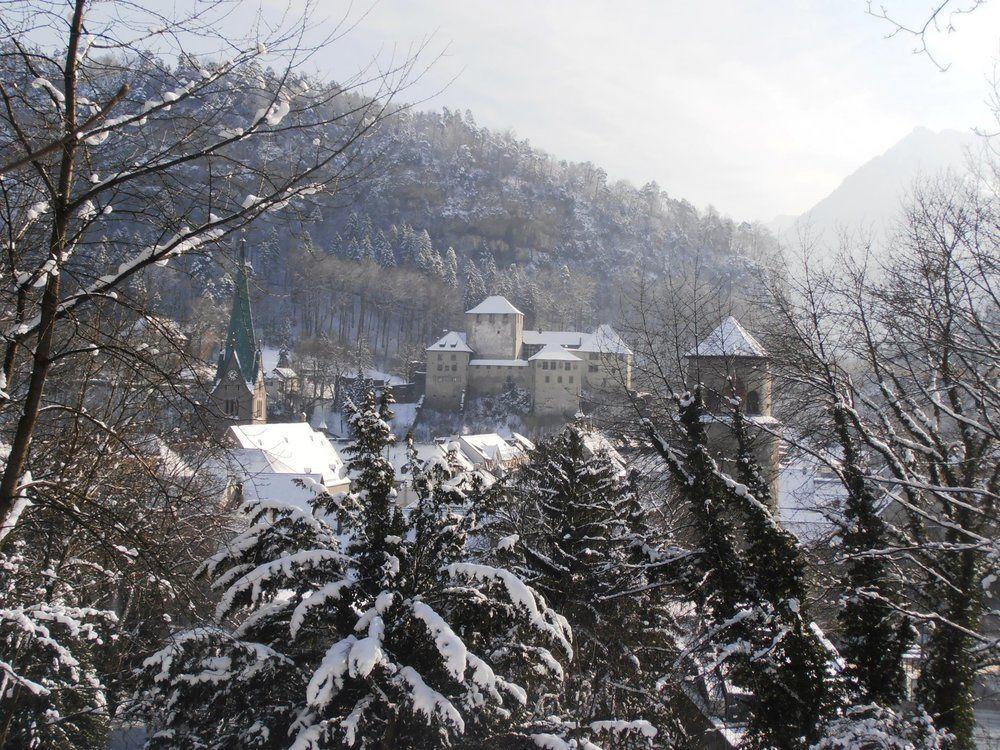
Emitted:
<point x="577" y="529"/>
<point x="789" y="672"/>
<point x="475" y="287"/>
<point x="874" y="636"/>
<point x="383" y="250"/>
<point x="451" y="268"/>
<point x="751" y="587"/>
<point x="359" y="625"/>
<point x="50" y="692"/>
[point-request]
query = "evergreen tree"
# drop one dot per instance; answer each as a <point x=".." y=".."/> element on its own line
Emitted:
<point x="383" y="250"/>
<point x="50" y="692"/>
<point x="451" y="268"/>
<point x="874" y="636"/>
<point x="359" y="625"/>
<point x="574" y="524"/>
<point x="751" y="588"/>
<point x="475" y="287"/>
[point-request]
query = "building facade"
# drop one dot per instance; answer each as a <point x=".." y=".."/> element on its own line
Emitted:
<point x="730" y="363"/>
<point x="238" y="394"/>
<point x="557" y="368"/>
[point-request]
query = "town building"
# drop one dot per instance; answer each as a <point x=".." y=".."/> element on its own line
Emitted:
<point x="556" y="368"/>
<point x="730" y="363"/>
<point x="287" y="463"/>
<point x="238" y="394"/>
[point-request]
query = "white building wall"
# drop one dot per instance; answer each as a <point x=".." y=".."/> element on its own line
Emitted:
<point x="494" y="335"/>
<point x="447" y="379"/>
<point x="556" y="387"/>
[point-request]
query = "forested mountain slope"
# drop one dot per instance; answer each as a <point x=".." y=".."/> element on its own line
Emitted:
<point x="442" y="211"/>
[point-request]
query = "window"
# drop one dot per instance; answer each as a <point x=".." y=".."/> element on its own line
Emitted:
<point x="232" y="407"/>
<point x="547" y="378"/>
<point x="592" y="368"/>
<point x="567" y="365"/>
<point x="454" y="357"/>
<point x="571" y="378"/>
<point x="440" y="367"/>
<point x="492" y="318"/>
<point x="559" y="379"/>
<point x="454" y="368"/>
<point x="753" y="403"/>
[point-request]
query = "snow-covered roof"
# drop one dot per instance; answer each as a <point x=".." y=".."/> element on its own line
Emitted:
<point x="284" y="372"/>
<point x="453" y="341"/>
<point x="288" y="489"/>
<point x="729" y="339"/>
<point x="498" y="362"/>
<point x="554" y="351"/>
<point x="494" y="305"/>
<point x="289" y="448"/>
<point x="605" y="341"/>
<point x="562" y="338"/>
<point x="489" y="447"/>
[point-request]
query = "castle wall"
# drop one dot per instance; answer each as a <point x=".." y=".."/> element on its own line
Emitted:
<point x="606" y="371"/>
<point x="486" y="379"/>
<point x="751" y="375"/>
<point x="494" y="336"/>
<point x="447" y="379"/>
<point x="556" y="387"/>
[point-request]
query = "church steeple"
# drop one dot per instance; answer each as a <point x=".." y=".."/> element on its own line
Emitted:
<point x="241" y="350"/>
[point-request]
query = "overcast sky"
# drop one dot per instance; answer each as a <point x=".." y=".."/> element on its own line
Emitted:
<point x="758" y="107"/>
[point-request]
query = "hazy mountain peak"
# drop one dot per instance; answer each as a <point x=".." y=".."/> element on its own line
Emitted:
<point x="871" y="196"/>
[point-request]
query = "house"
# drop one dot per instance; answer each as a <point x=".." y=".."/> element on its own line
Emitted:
<point x="495" y="351"/>
<point x="284" y="463"/>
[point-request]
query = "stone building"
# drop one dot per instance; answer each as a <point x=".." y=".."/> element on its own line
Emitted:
<point x="238" y="394"/>
<point x="731" y="362"/>
<point x="557" y="368"/>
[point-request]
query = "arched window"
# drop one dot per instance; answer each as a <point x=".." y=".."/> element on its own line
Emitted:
<point x="232" y="407"/>
<point x="753" y="402"/>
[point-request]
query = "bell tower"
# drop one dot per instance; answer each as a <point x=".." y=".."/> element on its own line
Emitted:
<point x="238" y="395"/>
<point x="731" y="362"/>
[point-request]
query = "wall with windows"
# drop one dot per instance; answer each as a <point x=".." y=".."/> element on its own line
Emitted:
<point x="494" y="336"/>
<point x="492" y="378"/>
<point x="557" y="386"/>
<point x="606" y="371"/>
<point x="447" y="379"/>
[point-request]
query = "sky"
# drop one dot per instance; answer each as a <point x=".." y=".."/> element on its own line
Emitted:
<point x="756" y="107"/>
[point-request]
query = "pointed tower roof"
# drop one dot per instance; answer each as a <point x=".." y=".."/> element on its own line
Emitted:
<point x="729" y="339"/>
<point x="494" y="304"/>
<point x="241" y="343"/>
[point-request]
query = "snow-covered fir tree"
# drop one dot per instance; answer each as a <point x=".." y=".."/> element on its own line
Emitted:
<point x="384" y="634"/>
<point x="747" y="577"/>
<point x="51" y="693"/>
<point x="572" y="521"/>
<point x="874" y="636"/>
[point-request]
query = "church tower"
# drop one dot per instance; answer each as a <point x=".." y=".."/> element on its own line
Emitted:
<point x="731" y="362"/>
<point x="238" y="395"/>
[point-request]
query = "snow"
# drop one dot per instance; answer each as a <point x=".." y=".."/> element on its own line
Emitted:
<point x="494" y="305"/>
<point x="729" y="339"/>
<point x="508" y="542"/>
<point x="498" y="363"/>
<point x="428" y="701"/>
<point x="521" y="596"/>
<point x="554" y="352"/>
<point x="604" y="341"/>
<point x="808" y="499"/>
<point x="618" y="726"/>
<point x="449" y="645"/>
<point x="453" y="341"/>
<point x="570" y="339"/>
<point x="285" y="448"/>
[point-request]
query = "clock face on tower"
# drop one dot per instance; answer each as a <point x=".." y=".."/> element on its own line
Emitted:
<point x="232" y="375"/>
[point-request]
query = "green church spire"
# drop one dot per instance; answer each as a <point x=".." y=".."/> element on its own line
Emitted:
<point x="240" y="340"/>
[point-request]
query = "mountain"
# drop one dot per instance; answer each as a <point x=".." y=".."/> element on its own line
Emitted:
<point x="871" y="197"/>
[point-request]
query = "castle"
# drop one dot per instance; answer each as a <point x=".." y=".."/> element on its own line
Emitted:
<point x="557" y="368"/>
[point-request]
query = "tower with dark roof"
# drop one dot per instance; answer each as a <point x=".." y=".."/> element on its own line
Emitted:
<point x="729" y="363"/>
<point x="238" y="395"/>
